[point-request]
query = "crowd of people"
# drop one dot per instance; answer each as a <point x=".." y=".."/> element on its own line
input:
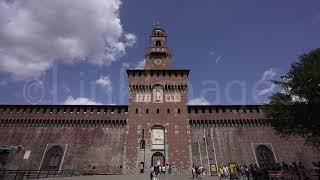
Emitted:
<point x="266" y="171"/>
<point x="246" y="172"/>
<point x="254" y="172"/>
<point x="155" y="171"/>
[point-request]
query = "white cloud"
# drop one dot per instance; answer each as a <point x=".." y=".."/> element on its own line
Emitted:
<point x="211" y="52"/>
<point x="140" y="64"/>
<point x="268" y="75"/>
<point x="35" y="34"/>
<point x="266" y="81"/>
<point x="199" y="101"/>
<point x="218" y="59"/>
<point x="137" y="65"/>
<point x="267" y="90"/>
<point x="80" y="101"/>
<point x="105" y="82"/>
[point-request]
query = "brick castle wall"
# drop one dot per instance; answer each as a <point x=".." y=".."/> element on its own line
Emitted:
<point x="229" y="134"/>
<point x="93" y="136"/>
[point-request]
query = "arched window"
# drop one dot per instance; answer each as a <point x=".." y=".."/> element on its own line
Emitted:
<point x="53" y="158"/>
<point x="264" y="155"/>
<point x="158" y="43"/>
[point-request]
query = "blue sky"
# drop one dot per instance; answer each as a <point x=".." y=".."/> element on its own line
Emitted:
<point x="54" y="52"/>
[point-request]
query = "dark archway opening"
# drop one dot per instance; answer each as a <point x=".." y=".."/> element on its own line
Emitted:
<point x="264" y="155"/>
<point x="53" y="158"/>
<point x="157" y="159"/>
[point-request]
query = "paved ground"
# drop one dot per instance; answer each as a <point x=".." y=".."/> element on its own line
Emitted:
<point x="133" y="177"/>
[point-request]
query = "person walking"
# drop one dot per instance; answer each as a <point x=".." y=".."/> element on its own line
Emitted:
<point x="163" y="168"/>
<point x="193" y="171"/>
<point x="151" y="173"/>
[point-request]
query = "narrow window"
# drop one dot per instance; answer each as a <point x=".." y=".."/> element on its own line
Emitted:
<point x="147" y="111"/>
<point x="137" y="110"/>
<point x="178" y="111"/>
<point x="158" y="111"/>
<point x="168" y="110"/>
<point x="158" y="43"/>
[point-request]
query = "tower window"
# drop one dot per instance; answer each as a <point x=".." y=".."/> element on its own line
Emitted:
<point x="147" y="111"/>
<point x="178" y="111"/>
<point x="137" y="110"/>
<point x="158" y="111"/>
<point x="168" y="110"/>
<point x="158" y="43"/>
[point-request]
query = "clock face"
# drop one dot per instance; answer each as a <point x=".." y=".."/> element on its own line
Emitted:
<point x="158" y="62"/>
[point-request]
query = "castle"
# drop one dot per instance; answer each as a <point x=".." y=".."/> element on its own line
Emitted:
<point x="157" y="127"/>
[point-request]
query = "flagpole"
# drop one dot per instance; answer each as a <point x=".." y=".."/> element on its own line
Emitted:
<point x="199" y="151"/>
<point x="205" y="139"/>
<point x="214" y="150"/>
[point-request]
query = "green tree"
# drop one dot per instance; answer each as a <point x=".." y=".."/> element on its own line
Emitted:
<point x="296" y="109"/>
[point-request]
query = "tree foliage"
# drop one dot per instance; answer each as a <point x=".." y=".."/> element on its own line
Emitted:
<point x="296" y="109"/>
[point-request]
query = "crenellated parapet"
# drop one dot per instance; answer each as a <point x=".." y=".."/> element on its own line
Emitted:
<point x="133" y="88"/>
<point x="63" y="115"/>
<point x="226" y="116"/>
<point x="61" y="123"/>
<point x="161" y="73"/>
<point x="230" y="123"/>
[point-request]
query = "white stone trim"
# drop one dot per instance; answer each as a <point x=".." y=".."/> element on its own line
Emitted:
<point x="44" y="153"/>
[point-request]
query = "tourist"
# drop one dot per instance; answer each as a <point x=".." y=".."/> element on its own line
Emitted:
<point x="226" y="171"/>
<point x="163" y="169"/>
<point x="196" y="171"/>
<point x="167" y="168"/>
<point x="155" y="176"/>
<point x="151" y="173"/>
<point x="193" y="171"/>
<point x="199" y="172"/>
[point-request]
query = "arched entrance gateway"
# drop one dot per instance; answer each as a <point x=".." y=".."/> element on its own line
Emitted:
<point x="158" y="146"/>
<point x="157" y="159"/>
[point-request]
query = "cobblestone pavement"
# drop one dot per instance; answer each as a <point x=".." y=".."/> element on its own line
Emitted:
<point x="134" y="177"/>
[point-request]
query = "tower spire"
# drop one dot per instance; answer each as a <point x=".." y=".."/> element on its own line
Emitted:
<point x="158" y="23"/>
<point x="158" y="55"/>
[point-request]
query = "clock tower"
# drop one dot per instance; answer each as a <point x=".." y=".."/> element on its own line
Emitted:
<point x="158" y="131"/>
<point x="158" y="55"/>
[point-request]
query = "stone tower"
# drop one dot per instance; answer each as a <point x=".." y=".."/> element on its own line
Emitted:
<point x="158" y="130"/>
